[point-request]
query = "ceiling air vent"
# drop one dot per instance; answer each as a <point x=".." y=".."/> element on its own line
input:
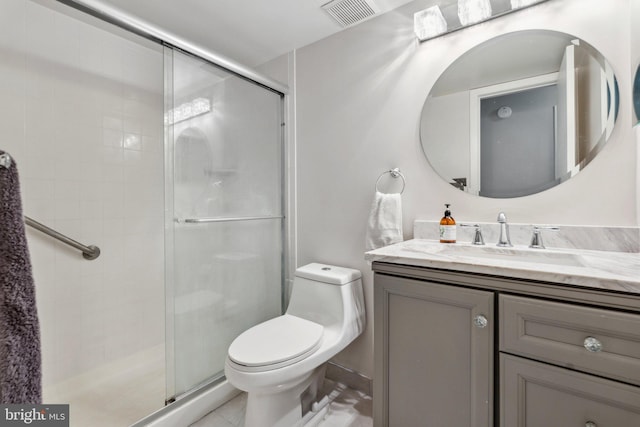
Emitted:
<point x="349" y="12"/>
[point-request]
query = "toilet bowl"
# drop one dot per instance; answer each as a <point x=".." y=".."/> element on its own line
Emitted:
<point x="280" y="363"/>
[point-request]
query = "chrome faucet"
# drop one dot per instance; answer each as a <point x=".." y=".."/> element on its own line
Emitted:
<point x="477" y="238"/>
<point x="536" y="239"/>
<point x="504" y="240"/>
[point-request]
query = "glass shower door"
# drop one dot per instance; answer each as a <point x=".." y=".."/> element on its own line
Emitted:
<point x="224" y="214"/>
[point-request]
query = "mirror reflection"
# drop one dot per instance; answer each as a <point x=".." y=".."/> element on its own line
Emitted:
<point x="193" y="164"/>
<point x="519" y="114"/>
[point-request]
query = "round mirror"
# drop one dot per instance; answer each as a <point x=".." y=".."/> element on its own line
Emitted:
<point x="519" y="114"/>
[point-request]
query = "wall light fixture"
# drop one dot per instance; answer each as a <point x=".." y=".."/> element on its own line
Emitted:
<point x="517" y="4"/>
<point x="452" y="15"/>
<point x="429" y="23"/>
<point x="473" y="11"/>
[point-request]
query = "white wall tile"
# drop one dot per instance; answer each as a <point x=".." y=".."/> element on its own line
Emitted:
<point x="12" y="21"/>
<point x="37" y="167"/>
<point x="12" y="80"/>
<point x="12" y="113"/>
<point x="67" y="36"/>
<point x="73" y="94"/>
<point x="112" y="138"/>
<point x="89" y="49"/>
<point x="39" y="28"/>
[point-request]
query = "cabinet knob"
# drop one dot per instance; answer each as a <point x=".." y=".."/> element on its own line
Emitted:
<point x="480" y="321"/>
<point x="590" y="424"/>
<point x="593" y="345"/>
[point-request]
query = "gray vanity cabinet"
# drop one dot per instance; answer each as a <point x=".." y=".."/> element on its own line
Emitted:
<point x="597" y="345"/>
<point x="564" y="356"/>
<point x="434" y="349"/>
<point x="535" y="394"/>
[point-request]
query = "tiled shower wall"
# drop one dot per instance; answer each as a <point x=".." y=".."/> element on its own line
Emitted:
<point x="81" y="111"/>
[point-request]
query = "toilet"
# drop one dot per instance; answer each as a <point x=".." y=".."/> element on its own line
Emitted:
<point x="280" y="363"/>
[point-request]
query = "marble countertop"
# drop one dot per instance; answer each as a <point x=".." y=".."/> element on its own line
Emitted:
<point x="615" y="271"/>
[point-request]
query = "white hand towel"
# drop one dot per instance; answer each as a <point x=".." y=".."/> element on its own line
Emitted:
<point x="384" y="226"/>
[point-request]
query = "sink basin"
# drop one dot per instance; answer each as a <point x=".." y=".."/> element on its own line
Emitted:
<point x="531" y="256"/>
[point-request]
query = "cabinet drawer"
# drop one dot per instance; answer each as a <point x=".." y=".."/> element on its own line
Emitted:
<point x="539" y="395"/>
<point x="599" y="341"/>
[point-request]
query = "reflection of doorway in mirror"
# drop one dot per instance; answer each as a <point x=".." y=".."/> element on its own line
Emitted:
<point x="476" y="97"/>
<point x="518" y="142"/>
<point x="591" y="89"/>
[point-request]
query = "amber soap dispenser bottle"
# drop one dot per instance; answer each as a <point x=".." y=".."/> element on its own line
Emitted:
<point x="447" y="227"/>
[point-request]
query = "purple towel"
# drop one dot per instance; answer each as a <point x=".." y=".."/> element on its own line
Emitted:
<point x="20" y="365"/>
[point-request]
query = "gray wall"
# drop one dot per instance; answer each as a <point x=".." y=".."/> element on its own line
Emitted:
<point x="517" y="153"/>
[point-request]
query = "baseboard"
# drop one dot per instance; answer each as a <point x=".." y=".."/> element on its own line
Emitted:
<point x="349" y="377"/>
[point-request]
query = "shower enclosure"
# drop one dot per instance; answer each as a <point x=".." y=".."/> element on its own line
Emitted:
<point x="224" y="212"/>
<point x="173" y="167"/>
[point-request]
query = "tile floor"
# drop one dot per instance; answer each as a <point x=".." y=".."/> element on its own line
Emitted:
<point x="349" y="408"/>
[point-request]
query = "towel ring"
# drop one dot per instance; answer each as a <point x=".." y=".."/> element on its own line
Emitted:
<point x="5" y="160"/>
<point x="395" y="173"/>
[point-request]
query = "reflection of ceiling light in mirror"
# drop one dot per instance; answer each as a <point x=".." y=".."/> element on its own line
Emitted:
<point x="473" y="11"/>
<point x="517" y="4"/>
<point x="187" y="111"/>
<point x="429" y="23"/>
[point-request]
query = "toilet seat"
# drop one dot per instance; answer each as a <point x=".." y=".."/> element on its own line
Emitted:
<point x="275" y="343"/>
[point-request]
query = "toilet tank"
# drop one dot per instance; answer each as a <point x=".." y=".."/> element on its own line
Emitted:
<point x="327" y="294"/>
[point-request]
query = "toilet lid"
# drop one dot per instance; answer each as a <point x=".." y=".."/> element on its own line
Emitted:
<point x="275" y="341"/>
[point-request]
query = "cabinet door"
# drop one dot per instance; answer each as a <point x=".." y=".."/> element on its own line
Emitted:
<point x="538" y="395"/>
<point x="433" y="365"/>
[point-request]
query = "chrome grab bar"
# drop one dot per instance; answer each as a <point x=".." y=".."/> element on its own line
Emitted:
<point x="88" y="252"/>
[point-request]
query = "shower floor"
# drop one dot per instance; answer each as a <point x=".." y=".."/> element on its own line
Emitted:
<point x="114" y="395"/>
